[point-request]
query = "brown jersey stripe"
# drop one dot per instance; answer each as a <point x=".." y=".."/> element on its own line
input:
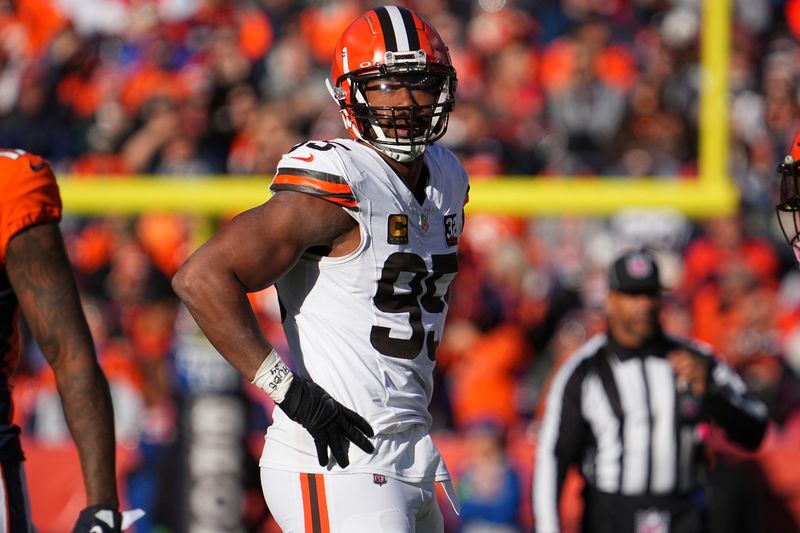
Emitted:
<point x="316" y="174"/>
<point x="350" y="204"/>
<point x="345" y="200"/>
<point x="312" y="183"/>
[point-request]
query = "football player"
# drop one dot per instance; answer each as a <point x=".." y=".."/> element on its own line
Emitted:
<point x="788" y="207"/>
<point x="360" y="239"/>
<point x="36" y="278"/>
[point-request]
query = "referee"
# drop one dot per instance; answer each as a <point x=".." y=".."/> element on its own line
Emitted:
<point x="627" y="408"/>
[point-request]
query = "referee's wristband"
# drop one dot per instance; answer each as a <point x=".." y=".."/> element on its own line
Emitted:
<point x="274" y="377"/>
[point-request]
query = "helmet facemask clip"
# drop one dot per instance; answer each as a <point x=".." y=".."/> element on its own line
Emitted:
<point x="410" y="59"/>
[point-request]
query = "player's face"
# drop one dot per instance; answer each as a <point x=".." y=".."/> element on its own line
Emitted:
<point x="404" y="103"/>
<point x="633" y="318"/>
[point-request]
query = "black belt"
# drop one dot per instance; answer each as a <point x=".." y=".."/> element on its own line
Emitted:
<point x="620" y="513"/>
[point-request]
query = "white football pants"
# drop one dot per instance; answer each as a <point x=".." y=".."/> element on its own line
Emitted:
<point x="350" y="503"/>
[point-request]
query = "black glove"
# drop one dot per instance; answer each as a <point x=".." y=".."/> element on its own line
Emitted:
<point x="330" y="423"/>
<point x="99" y="519"/>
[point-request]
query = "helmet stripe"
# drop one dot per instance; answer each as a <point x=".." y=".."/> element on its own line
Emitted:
<point x="400" y="30"/>
<point x="387" y="28"/>
<point x="411" y="29"/>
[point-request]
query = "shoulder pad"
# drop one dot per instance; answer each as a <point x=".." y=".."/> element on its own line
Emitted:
<point x="310" y="168"/>
<point x="28" y="194"/>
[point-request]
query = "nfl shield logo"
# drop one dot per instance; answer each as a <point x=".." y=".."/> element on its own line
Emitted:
<point x="638" y="267"/>
<point x="652" y="521"/>
<point x="379" y="479"/>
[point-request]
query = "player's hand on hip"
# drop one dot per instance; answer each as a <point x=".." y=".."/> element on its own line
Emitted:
<point x="330" y="423"/>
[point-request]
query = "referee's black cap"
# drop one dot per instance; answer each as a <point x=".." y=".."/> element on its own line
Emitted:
<point x="634" y="273"/>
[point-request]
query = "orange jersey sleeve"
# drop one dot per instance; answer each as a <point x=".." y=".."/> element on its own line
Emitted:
<point x="28" y="194"/>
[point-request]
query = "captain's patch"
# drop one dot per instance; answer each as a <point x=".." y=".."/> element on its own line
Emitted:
<point x="398" y="229"/>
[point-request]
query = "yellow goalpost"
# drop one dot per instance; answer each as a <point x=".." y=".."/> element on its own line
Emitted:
<point x="712" y="193"/>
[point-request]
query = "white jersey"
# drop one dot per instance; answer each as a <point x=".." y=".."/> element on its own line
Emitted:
<point x="365" y="326"/>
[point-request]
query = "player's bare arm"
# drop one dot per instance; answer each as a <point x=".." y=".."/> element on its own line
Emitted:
<point x="39" y="271"/>
<point x="248" y="254"/>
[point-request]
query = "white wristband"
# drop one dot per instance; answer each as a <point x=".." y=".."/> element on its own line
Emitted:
<point x="273" y="377"/>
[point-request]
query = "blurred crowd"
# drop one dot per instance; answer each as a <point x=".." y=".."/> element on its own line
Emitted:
<point x="548" y="88"/>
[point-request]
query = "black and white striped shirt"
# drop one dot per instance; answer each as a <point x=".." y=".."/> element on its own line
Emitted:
<point x="615" y="412"/>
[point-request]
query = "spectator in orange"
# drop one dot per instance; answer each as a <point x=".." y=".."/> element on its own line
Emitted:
<point x="724" y="242"/>
<point x="484" y="369"/>
<point x="38" y="20"/>
<point x="612" y="63"/>
<point x="255" y="34"/>
<point x="736" y="314"/>
<point x="156" y="73"/>
<point x="322" y="25"/>
<point x="165" y="238"/>
<point x="588" y="108"/>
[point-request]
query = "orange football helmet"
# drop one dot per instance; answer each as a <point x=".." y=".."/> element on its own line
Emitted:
<point x="788" y="207"/>
<point x="395" y="44"/>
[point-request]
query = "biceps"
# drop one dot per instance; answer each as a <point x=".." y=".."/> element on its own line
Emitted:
<point x="262" y="244"/>
<point x="40" y="274"/>
<point x="254" y="253"/>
